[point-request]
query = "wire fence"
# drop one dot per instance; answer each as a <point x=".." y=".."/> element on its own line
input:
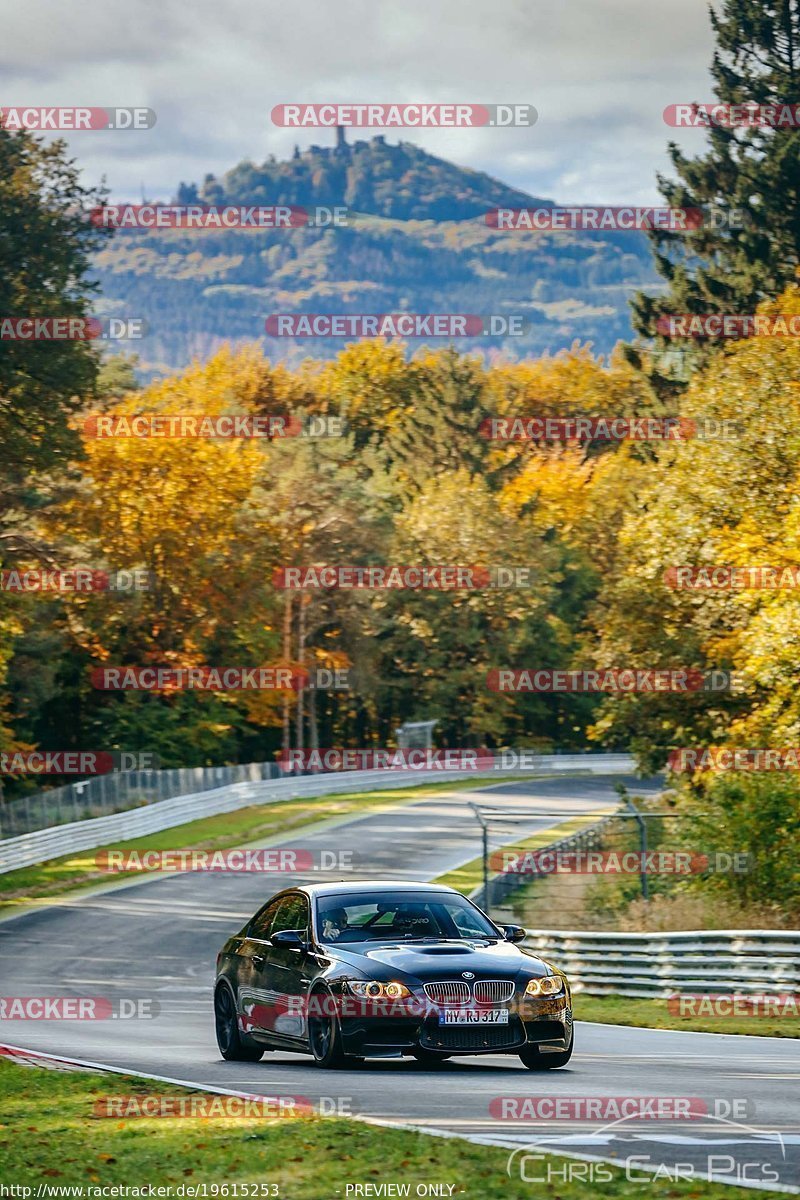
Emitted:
<point x="522" y="869"/>
<point x="115" y="792"/>
<point x="118" y="792"/>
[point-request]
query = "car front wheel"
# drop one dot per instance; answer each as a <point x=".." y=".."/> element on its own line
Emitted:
<point x="325" y="1038"/>
<point x="535" y="1060"/>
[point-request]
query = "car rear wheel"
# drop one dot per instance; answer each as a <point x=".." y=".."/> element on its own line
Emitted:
<point x="535" y="1060"/>
<point x="233" y="1045"/>
<point x="429" y="1058"/>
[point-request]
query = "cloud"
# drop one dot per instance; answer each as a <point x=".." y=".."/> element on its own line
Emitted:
<point x="599" y="74"/>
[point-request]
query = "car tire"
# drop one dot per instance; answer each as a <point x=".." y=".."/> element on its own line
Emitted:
<point x="534" y="1060"/>
<point x="234" y="1046"/>
<point x="429" y="1058"/>
<point x="325" y="1040"/>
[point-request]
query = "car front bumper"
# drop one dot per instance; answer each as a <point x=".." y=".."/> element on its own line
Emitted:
<point x="546" y="1023"/>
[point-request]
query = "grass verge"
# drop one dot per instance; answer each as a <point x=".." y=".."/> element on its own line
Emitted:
<point x="654" y="1014"/>
<point x="50" y="1135"/>
<point x="44" y="881"/>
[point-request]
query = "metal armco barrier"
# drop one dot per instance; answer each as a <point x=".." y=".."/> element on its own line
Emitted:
<point x="118" y="791"/>
<point x="752" y="961"/>
<point x="45" y="844"/>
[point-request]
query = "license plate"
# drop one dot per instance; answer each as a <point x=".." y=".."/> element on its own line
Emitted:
<point x="473" y="1016"/>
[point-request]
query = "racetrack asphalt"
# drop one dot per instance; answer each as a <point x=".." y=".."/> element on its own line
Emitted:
<point x="157" y="939"/>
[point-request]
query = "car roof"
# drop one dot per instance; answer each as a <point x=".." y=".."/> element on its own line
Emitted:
<point x="357" y="886"/>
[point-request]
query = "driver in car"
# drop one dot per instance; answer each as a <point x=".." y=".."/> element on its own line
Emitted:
<point x="334" y="923"/>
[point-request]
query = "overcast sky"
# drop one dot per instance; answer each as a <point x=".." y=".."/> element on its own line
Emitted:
<point x="600" y="73"/>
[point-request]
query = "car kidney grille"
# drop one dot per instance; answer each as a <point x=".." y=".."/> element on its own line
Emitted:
<point x="448" y="991"/>
<point x="493" y="991"/>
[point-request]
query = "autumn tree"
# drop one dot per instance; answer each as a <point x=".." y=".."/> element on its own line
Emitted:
<point x="178" y="509"/>
<point x="726" y="500"/>
<point x="46" y="243"/>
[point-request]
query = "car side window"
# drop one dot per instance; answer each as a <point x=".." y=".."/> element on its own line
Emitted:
<point x="262" y="922"/>
<point x="292" y="914"/>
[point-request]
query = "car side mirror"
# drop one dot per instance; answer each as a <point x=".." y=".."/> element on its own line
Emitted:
<point x="289" y="938"/>
<point x="514" y="933"/>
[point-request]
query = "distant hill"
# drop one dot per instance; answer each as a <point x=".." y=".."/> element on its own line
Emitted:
<point x="401" y="182"/>
<point x="419" y="244"/>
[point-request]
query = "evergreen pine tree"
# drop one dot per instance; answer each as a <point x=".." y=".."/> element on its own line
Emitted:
<point x="748" y="185"/>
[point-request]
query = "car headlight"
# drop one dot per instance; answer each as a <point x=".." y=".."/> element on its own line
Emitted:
<point x="548" y="985"/>
<point x="373" y="989"/>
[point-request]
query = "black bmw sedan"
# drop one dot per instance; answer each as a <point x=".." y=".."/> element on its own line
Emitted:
<point x="347" y="971"/>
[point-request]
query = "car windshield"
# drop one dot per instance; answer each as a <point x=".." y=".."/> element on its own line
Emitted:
<point x="392" y="916"/>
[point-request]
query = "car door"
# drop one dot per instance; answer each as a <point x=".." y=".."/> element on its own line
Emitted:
<point x="289" y="969"/>
<point x="255" y="999"/>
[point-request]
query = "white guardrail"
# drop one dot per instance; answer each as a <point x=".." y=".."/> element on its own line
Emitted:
<point x="752" y="961"/>
<point x="59" y="840"/>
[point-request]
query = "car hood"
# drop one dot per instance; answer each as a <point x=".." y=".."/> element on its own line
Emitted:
<point x="442" y="961"/>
